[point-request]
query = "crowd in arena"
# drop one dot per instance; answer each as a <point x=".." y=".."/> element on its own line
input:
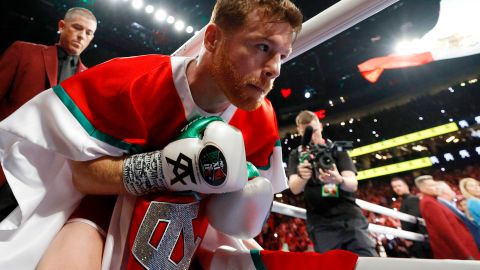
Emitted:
<point x="281" y="232"/>
<point x="287" y="233"/>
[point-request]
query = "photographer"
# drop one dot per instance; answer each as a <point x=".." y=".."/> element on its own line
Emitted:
<point x="334" y="221"/>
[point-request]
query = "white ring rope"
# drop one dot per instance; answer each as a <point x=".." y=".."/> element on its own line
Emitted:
<point x="293" y="211"/>
<point x="388" y="212"/>
<point x="379" y="229"/>
<point x="335" y="20"/>
<point x="300" y="212"/>
<point x="366" y="263"/>
<point x="323" y="26"/>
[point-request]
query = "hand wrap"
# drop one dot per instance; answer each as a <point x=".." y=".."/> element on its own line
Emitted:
<point x="143" y="173"/>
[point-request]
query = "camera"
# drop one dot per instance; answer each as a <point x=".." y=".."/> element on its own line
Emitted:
<point x="321" y="155"/>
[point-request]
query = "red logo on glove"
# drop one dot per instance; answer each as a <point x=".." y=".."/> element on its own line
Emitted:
<point x="213" y="165"/>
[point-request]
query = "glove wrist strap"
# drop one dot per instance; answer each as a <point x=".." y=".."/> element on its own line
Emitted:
<point x="143" y="173"/>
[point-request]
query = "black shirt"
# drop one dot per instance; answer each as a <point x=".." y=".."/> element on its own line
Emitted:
<point x="62" y="57"/>
<point x="320" y="207"/>
<point x="411" y="205"/>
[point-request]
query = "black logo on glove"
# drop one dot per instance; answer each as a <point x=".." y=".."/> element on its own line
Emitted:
<point x="213" y="165"/>
<point x="186" y="169"/>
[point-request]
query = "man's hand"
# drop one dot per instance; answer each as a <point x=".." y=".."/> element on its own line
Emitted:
<point x="304" y="170"/>
<point x="331" y="176"/>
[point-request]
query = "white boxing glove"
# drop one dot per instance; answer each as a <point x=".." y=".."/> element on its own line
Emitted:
<point x="208" y="157"/>
<point x="241" y="213"/>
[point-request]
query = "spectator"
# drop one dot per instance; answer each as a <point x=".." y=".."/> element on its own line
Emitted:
<point x="447" y="197"/>
<point x="26" y="69"/>
<point x="462" y="205"/>
<point x="470" y="188"/>
<point x="449" y="237"/>
<point x="410" y="205"/>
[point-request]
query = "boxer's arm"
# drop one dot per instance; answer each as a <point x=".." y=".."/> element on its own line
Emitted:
<point x="196" y="161"/>
<point x="99" y="176"/>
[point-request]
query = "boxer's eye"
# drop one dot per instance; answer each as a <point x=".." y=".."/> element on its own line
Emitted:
<point x="263" y="47"/>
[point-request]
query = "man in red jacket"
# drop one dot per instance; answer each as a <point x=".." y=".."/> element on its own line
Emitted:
<point x="449" y="238"/>
<point x="26" y="69"/>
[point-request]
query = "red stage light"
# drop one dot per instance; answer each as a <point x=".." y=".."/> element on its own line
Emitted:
<point x="321" y="114"/>
<point x="286" y="92"/>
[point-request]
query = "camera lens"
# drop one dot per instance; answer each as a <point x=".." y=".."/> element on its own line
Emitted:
<point x="326" y="161"/>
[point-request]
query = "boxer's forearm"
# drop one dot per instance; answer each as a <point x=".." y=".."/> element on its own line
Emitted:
<point x="100" y="176"/>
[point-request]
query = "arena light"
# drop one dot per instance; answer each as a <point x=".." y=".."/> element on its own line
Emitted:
<point x="411" y="46"/>
<point x="189" y="29"/>
<point x="395" y="168"/>
<point x="170" y="19"/>
<point x="450" y="139"/>
<point x="137" y="4"/>
<point x="408" y="138"/>
<point x="160" y="15"/>
<point x="463" y="123"/>
<point x="179" y="25"/>
<point x="475" y="133"/>
<point x="149" y="9"/>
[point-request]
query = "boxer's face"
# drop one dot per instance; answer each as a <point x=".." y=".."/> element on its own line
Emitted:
<point x="248" y="60"/>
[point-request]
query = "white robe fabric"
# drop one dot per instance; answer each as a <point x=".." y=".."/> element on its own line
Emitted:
<point x="35" y="143"/>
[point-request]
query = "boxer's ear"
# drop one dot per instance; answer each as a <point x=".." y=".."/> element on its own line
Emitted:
<point x="213" y="35"/>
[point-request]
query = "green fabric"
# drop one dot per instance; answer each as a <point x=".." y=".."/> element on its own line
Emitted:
<point x="196" y="127"/>
<point x="257" y="259"/>
<point x="88" y="127"/>
<point x="252" y="170"/>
